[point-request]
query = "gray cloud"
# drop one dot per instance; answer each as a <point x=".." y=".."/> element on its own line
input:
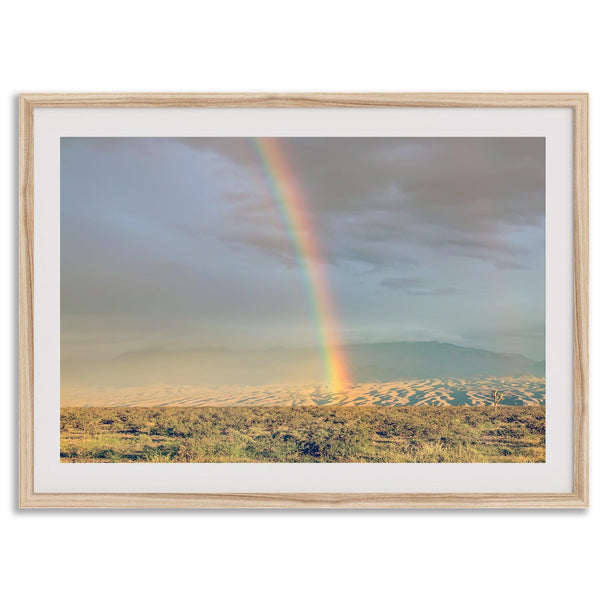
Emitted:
<point x="416" y="286"/>
<point x="465" y="195"/>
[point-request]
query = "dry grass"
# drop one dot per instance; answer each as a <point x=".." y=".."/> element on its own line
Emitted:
<point x="304" y="434"/>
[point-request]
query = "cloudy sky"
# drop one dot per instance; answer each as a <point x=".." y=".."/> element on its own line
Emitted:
<point x="177" y="243"/>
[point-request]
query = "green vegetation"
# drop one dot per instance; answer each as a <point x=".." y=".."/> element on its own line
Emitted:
<point x="304" y="434"/>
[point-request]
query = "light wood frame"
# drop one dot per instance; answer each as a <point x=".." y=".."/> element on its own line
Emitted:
<point x="578" y="498"/>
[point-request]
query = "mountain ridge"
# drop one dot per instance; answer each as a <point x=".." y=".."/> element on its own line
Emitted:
<point x="384" y="361"/>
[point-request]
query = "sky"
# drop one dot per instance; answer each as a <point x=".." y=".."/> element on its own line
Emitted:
<point x="176" y="244"/>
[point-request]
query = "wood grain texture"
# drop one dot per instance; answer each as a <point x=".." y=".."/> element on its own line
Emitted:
<point x="303" y="501"/>
<point x="308" y="100"/>
<point x="26" y="283"/>
<point x="578" y="498"/>
<point x="581" y="301"/>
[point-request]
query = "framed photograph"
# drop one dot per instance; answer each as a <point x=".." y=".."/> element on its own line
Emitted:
<point x="303" y="300"/>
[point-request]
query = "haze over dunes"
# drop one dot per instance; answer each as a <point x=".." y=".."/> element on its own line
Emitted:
<point x="368" y="362"/>
<point x="385" y="375"/>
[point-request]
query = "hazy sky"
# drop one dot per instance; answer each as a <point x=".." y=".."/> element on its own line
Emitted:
<point x="175" y="243"/>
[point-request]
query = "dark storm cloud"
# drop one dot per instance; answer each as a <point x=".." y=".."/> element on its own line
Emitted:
<point x="463" y="196"/>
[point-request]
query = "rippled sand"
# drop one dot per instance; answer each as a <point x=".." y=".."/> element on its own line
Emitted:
<point x="527" y="390"/>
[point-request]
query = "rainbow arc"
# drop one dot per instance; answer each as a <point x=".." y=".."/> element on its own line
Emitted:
<point x="290" y="200"/>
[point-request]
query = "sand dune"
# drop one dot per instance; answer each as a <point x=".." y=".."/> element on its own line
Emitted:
<point x="526" y="390"/>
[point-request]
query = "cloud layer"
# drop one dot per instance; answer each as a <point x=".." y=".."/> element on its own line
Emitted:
<point x="178" y="243"/>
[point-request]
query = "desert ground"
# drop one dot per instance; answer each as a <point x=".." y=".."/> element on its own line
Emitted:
<point x="527" y="390"/>
<point x="394" y="434"/>
<point x="425" y="420"/>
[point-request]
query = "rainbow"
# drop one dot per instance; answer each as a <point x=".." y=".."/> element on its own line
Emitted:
<point x="287" y="193"/>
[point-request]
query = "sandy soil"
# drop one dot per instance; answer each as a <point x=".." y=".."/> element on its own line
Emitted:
<point x="526" y="390"/>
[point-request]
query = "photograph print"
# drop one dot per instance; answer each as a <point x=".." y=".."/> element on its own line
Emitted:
<point x="302" y="300"/>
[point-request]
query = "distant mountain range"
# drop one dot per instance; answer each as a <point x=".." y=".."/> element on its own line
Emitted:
<point x="368" y="363"/>
<point x="389" y="362"/>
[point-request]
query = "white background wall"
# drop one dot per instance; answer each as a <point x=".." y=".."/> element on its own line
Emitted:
<point x="312" y="45"/>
